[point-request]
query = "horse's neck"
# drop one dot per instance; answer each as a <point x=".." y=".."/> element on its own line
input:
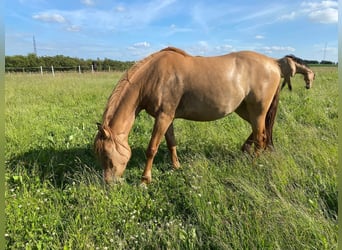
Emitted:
<point x="301" y="69"/>
<point x="122" y="117"/>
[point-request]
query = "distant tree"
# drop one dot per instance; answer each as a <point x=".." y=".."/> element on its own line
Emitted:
<point x="326" y="62"/>
<point x="65" y="62"/>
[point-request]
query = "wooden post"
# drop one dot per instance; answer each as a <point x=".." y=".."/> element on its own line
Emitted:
<point x="92" y="68"/>
<point x="41" y="70"/>
<point x="53" y="71"/>
<point x="79" y="69"/>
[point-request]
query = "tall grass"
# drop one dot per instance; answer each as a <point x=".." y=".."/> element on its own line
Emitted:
<point x="219" y="199"/>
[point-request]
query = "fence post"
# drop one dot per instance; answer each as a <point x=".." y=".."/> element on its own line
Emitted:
<point x="53" y="72"/>
<point x="92" y="68"/>
<point x="79" y="69"/>
<point x="41" y="70"/>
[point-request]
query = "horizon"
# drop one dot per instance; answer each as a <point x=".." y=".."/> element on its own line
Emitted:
<point x="90" y="29"/>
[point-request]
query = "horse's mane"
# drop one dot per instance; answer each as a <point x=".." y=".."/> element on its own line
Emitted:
<point x="125" y="81"/>
<point x="173" y="49"/>
<point x="298" y="60"/>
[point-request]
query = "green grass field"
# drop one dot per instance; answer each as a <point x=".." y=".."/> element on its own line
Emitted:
<point x="219" y="199"/>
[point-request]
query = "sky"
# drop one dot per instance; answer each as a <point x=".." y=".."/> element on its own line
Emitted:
<point x="131" y="30"/>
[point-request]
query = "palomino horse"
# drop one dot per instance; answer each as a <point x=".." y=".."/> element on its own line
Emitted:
<point x="290" y="65"/>
<point x="171" y="84"/>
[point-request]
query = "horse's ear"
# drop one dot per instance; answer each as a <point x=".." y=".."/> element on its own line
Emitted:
<point x="103" y="132"/>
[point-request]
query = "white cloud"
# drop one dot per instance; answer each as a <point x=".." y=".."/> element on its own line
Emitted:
<point x="290" y="16"/>
<point x="322" y="12"/>
<point x="259" y="37"/>
<point x="74" y="28"/>
<point x="225" y="47"/>
<point x="174" y="29"/>
<point x="275" y="49"/>
<point x="137" y="15"/>
<point x="120" y="9"/>
<point x="139" y="46"/>
<point x="49" y="17"/>
<point x="328" y="15"/>
<point x="142" y="45"/>
<point x="88" y="2"/>
<point x="320" y="5"/>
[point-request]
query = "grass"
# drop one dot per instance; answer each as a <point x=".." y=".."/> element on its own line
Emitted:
<point x="219" y="199"/>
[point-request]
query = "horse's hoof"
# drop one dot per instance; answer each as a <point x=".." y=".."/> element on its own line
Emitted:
<point x="146" y="180"/>
<point x="176" y="166"/>
<point x="270" y="148"/>
<point x="143" y="185"/>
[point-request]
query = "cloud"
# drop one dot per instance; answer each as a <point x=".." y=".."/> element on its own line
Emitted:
<point x="322" y="12"/>
<point x="275" y="49"/>
<point x="73" y="28"/>
<point x="120" y="18"/>
<point x="328" y="15"/>
<point x="49" y="17"/>
<point x="139" y="45"/>
<point x="259" y="37"/>
<point x="223" y="49"/>
<point x="290" y="16"/>
<point x="173" y="29"/>
<point x="88" y="2"/>
<point x="142" y="45"/>
<point x="120" y="9"/>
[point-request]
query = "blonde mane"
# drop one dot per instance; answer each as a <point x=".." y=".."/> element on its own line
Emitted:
<point x="124" y="82"/>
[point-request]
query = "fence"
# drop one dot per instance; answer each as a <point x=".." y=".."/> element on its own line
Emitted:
<point x="52" y="70"/>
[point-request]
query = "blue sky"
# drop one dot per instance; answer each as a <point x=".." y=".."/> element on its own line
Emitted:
<point x="131" y="30"/>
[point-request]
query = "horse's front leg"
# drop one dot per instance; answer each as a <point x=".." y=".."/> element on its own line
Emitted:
<point x="171" y="144"/>
<point x="246" y="147"/>
<point x="161" y="125"/>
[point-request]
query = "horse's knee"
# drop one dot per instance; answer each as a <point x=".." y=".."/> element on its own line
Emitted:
<point x="151" y="152"/>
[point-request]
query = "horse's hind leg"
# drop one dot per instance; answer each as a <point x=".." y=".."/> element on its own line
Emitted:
<point x="161" y="124"/>
<point x="171" y="144"/>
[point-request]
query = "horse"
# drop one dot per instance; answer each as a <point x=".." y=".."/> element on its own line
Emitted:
<point x="172" y="84"/>
<point x="290" y="65"/>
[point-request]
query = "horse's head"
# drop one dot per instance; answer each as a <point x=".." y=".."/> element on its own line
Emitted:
<point x="309" y="77"/>
<point x="112" y="153"/>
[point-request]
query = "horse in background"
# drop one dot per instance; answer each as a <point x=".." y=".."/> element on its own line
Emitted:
<point x="290" y="65"/>
<point x="172" y="84"/>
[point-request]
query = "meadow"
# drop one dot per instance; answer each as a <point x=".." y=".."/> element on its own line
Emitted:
<point x="220" y="198"/>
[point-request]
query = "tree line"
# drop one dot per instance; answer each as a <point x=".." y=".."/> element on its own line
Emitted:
<point x="33" y="62"/>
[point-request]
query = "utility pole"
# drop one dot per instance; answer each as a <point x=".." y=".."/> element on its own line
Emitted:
<point x="325" y="51"/>
<point x="34" y="46"/>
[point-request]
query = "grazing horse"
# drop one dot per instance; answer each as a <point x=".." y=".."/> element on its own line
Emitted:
<point x="172" y="84"/>
<point x="290" y="65"/>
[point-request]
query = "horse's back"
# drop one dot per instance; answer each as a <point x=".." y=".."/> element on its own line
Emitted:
<point x="208" y="88"/>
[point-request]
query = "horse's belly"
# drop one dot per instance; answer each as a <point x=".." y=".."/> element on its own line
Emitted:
<point x="206" y="109"/>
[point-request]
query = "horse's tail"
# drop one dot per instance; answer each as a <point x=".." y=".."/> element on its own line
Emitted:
<point x="270" y="118"/>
